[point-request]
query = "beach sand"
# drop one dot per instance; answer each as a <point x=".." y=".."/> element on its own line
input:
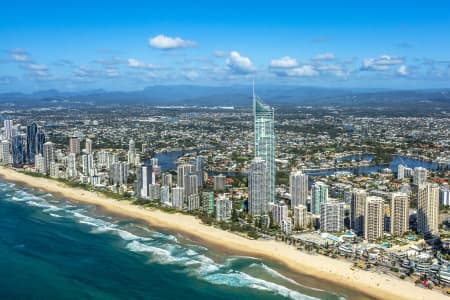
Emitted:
<point x="379" y="286"/>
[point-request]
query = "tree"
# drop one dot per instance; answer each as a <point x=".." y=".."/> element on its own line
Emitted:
<point x="234" y="215"/>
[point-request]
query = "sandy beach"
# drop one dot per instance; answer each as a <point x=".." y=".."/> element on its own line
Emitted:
<point x="339" y="272"/>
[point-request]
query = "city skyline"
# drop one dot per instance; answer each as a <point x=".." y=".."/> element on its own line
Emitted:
<point x="117" y="47"/>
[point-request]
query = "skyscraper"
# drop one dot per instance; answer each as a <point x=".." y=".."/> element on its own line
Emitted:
<point x="8" y="125"/>
<point x="332" y="216"/>
<point x="298" y="188"/>
<point x="182" y="171"/>
<point x="428" y="208"/>
<point x="265" y="142"/>
<point x="5" y="152"/>
<point x="49" y="155"/>
<point x="357" y="207"/>
<point x="17" y="151"/>
<point x="257" y="188"/>
<point x="40" y="141"/>
<point x="71" y="170"/>
<point x="373" y="218"/>
<point x="198" y="163"/>
<point x="219" y="182"/>
<point x="31" y="142"/>
<point x="131" y="152"/>
<point x="420" y="175"/>
<point x="399" y="214"/>
<point x="88" y="146"/>
<point x="319" y="194"/>
<point x="74" y="145"/>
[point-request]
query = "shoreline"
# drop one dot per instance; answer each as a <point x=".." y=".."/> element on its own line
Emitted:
<point x="338" y="272"/>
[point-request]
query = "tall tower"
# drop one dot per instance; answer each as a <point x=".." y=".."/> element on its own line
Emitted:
<point x="298" y="188"/>
<point x="31" y="142"/>
<point x="49" y="155"/>
<point x="40" y="140"/>
<point x="74" y="145"/>
<point x="373" y="218"/>
<point x="399" y="214"/>
<point x="8" y="126"/>
<point x="428" y="208"/>
<point x="265" y="141"/>
<point x="131" y="152"/>
<point x="357" y="207"/>
<point x="88" y="146"/>
<point x="257" y="188"/>
<point x="319" y="194"/>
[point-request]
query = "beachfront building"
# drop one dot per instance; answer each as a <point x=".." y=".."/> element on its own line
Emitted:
<point x="224" y="207"/>
<point x="5" y="153"/>
<point x="39" y="163"/>
<point x="40" y="141"/>
<point x="279" y="212"/>
<point x="165" y="195"/>
<point x="257" y="194"/>
<point x="31" y="143"/>
<point x="219" y="182"/>
<point x="190" y="184"/>
<point x="87" y="161"/>
<point x="182" y="172"/>
<point x="49" y="155"/>
<point x="332" y="216"/>
<point x="373" y="218"/>
<point x="420" y="176"/>
<point x="357" y="207"/>
<point x="118" y="173"/>
<point x="208" y="202"/>
<point x="319" y="194"/>
<point x="8" y="128"/>
<point x="301" y="216"/>
<point x="193" y="202"/>
<point x="286" y="226"/>
<point x="146" y="177"/>
<point x="166" y="179"/>
<point x="71" y="169"/>
<point x="399" y="214"/>
<point x="18" y="153"/>
<point x="428" y="208"/>
<point x="178" y="197"/>
<point x="198" y="162"/>
<point x="265" y="143"/>
<point x="298" y="188"/>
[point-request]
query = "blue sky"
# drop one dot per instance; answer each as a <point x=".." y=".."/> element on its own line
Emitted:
<point x="85" y="45"/>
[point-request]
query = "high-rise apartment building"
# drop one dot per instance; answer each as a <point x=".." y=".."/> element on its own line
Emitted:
<point x="357" y="208"/>
<point x="319" y="194"/>
<point x="257" y="186"/>
<point x="332" y="216"/>
<point x="298" y="188"/>
<point x="373" y="218"/>
<point x="428" y="208"/>
<point x="399" y="214"/>
<point x="74" y="145"/>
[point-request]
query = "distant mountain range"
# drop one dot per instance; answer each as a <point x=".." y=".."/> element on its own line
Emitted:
<point x="232" y="95"/>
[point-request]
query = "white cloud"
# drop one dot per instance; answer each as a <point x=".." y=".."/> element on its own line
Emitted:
<point x="135" y="63"/>
<point x="111" y="73"/>
<point x="284" y="62"/>
<point x="36" y="67"/>
<point x="403" y="71"/>
<point x="166" y="42"/>
<point x="382" y="63"/>
<point x="19" y="57"/>
<point x="239" y="64"/>
<point x="325" y="56"/>
<point x="303" y="71"/>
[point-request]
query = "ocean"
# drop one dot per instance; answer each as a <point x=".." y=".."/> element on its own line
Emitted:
<point x="53" y="248"/>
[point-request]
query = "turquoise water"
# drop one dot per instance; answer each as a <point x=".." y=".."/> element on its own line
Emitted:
<point x="51" y="248"/>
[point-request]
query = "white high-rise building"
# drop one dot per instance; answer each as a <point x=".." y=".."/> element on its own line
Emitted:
<point x="420" y="176"/>
<point x="298" y="188"/>
<point x="146" y="180"/>
<point x="332" y="216"/>
<point x="178" y="197"/>
<point x="444" y="195"/>
<point x="39" y="163"/>
<point x="165" y="195"/>
<point x="190" y="184"/>
<point x="154" y="191"/>
<point x="49" y="155"/>
<point x="87" y="161"/>
<point x="357" y="209"/>
<point x="399" y="214"/>
<point x="88" y="146"/>
<point x="166" y="179"/>
<point x="301" y="217"/>
<point x="428" y="208"/>
<point x="182" y="171"/>
<point x="219" y="182"/>
<point x="193" y="202"/>
<point x="118" y="173"/>
<point x="373" y="218"/>
<point x="6" y="156"/>
<point x="279" y="212"/>
<point x="71" y="170"/>
<point x="8" y="128"/>
<point x="131" y="152"/>
<point x="286" y="226"/>
<point x="223" y="208"/>
<point x="257" y="185"/>
<point x="400" y="172"/>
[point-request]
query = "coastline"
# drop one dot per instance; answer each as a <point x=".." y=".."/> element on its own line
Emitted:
<point x="324" y="268"/>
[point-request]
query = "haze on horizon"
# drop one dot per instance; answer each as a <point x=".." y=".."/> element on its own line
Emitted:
<point x="84" y="45"/>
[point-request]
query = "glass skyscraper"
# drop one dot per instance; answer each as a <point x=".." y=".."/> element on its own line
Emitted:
<point x="17" y="151"/>
<point x="31" y="142"/>
<point x="265" y="142"/>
